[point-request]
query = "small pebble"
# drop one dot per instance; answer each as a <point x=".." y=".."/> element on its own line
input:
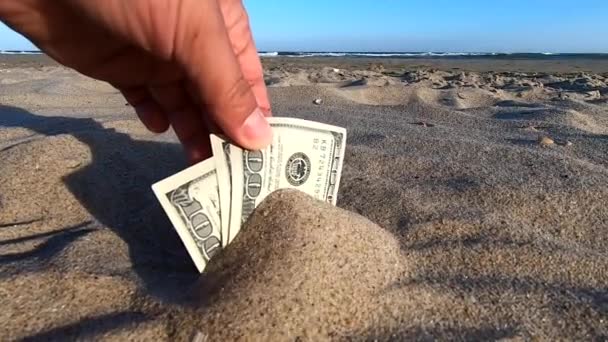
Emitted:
<point x="317" y="101"/>
<point x="546" y="141"/>
<point x="568" y="143"/>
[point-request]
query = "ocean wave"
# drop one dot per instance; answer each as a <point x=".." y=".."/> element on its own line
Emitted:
<point x="455" y="55"/>
<point x="268" y="54"/>
<point x="372" y="54"/>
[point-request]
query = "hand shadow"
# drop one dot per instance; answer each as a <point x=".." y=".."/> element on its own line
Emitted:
<point x="115" y="189"/>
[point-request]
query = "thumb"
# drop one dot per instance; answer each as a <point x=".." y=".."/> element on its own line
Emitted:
<point x="204" y="49"/>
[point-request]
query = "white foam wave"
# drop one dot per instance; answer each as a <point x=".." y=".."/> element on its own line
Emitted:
<point x="15" y="52"/>
<point x="387" y="54"/>
<point x="268" y="54"/>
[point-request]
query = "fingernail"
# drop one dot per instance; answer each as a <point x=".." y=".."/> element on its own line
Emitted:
<point x="257" y="131"/>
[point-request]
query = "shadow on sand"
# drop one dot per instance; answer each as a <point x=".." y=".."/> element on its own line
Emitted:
<point x="115" y="189"/>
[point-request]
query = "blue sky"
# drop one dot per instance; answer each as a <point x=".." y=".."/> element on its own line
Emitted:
<point x="420" y="25"/>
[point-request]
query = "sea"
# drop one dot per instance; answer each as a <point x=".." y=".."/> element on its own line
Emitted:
<point x="404" y="55"/>
<point x="437" y="55"/>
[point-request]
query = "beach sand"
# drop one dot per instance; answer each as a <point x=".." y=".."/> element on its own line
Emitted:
<point x="472" y="206"/>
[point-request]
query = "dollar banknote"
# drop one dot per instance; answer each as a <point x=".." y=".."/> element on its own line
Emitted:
<point x="303" y="155"/>
<point x="221" y="156"/>
<point x="209" y="202"/>
<point x="191" y="200"/>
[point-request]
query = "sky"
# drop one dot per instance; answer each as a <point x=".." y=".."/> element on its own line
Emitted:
<point x="419" y="25"/>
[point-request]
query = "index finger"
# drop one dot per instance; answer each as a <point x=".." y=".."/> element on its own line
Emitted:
<point x="241" y="37"/>
<point x="204" y="49"/>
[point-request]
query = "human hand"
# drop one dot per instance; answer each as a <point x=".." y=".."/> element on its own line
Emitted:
<point x="190" y="64"/>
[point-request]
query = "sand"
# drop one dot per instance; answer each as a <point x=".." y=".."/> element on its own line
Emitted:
<point x="456" y="219"/>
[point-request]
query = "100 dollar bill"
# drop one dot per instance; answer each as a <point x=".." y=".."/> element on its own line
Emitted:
<point x="208" y="202"/>
<point x="191" y="200"/>
<point x="303" y="155"/>
<point x="221" y="155"/>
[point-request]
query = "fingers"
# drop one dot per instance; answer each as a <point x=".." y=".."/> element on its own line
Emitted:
<point x="254" y="75"/>
<point x="239" y="31"/>
<point x="149" y="112"/>
<point x="161" y="106"/>
<point x="204" y="49"/>
<point x="185" y="118"/>
<point x="192" y="134"/>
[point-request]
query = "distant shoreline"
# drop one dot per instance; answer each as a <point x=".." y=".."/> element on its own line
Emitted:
<point x="562" y="63"/>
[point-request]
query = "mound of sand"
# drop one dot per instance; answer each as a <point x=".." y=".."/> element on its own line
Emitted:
<point x="300" y="269"/>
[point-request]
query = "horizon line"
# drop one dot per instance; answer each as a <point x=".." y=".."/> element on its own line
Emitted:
<point x="387" y="51"/>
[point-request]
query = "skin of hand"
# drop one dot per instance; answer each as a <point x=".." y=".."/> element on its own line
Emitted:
<point x="188" y="64"/>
